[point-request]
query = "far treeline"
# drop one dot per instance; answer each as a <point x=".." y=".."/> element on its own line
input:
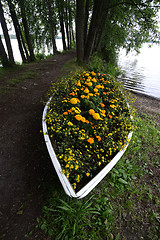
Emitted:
<point x="92" y="26"/>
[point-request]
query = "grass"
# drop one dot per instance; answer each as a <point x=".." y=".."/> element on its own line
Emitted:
<point x="124" y="205"/>
<point x="11" y="77"/>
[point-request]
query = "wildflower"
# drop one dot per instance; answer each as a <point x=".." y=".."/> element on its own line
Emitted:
<point x="89" y="84"/>
<point x="76" y="167"/>
<point x="78" y="117"/>
<point x="90" y="140"/>
<point x="102" y="105"/>
<point x="73" y="100"/>
<point x="93" y="73"/>
<point x="99" y="138"/>
<point x="91" y="111"/>
<point x="78" y="84"/>
<point x="98" y="86"/>
<point x="83" y="119"/>
<point x="78" y="178"/>
<point x="86" y="90"/>
<point x="96" y="116"/>
<point x="65" y="113"/>
<point x="95" y="90"/>
<point x="70" y="123"/>
<point x="94" y="80"/>
<point x="83" y="96"/>
<point x="110" y="116"/>
<point x="87" y="74"/>
<point x="87" y="174"/>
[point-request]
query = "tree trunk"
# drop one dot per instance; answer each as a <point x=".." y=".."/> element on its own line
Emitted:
<point x="17" y="29"/>
<point x="86" y="20"/>
<point x="96" y="17"/>
<point x="102" y="27"/>
<point x="3" y="55"/>
<point x="80" y="30"/>
<point x="26" y="30"/>
<point x="52" y="27"/>
<point x="6" y="35"/>
<point x="67" y="27"/>
<point x="61" y="19"/>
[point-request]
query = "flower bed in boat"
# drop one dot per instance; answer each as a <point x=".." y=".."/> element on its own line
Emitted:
<point x="88" y="122"/>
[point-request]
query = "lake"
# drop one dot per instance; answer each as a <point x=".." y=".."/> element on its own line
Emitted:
<point x="17" y="55"/>
<point x="142" y="71"/>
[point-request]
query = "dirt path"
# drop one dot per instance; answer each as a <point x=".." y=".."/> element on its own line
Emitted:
<point x="24" y="162"/>
<point x="22" y="170"/>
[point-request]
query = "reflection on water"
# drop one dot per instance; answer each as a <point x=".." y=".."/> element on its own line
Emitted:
<point x="141" y="73"/>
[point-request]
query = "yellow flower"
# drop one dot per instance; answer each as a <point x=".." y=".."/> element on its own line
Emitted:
<point x="90" y="140"/>
<point x="102" y="105"/>
<point x="73" y="100"/>
<point x="83" y="96"/>
<point x="96" y="116"/>
<point x="87" y="74"/>
<point x="86" y="90"/>
<point x="94" y="80"/>
<point x="95" y="90"/>
<point x="78" y="117"/>
<point x="87" y="174"/>
<point x="65" y="113"/>
<point x="93" y="73"/>
<point x="70" y="123"/>
<point x="91" y="111"/>
<point x="89" y="84"/>
<point x="76" y="167"/>
<point x="98" y="86"/>
<point x="78" y="178"/>
<point x="78" y="84"/>
<point x="99" y="138"/>
<point x="83" y="119"/>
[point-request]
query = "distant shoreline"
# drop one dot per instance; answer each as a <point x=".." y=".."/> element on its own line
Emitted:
<point x="13" y="36"/>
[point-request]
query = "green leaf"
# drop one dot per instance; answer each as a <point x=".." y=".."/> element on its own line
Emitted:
<point x="121" y="180"/>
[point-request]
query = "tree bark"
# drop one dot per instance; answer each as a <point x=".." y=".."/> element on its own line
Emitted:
<point x="26" y="30"/>
<point x="102" y="27"/>
<point x="67" y="26"/>
<point x="86" y="20"/>
<point x="52" y="27"/>
<point x="61" y="19"/>
<point x="96" y="17"/>
<point x="80" y="30"/>
<point x="17" y="29"/>
<point x="3" y="55"/>
<point x="6" y="35"/>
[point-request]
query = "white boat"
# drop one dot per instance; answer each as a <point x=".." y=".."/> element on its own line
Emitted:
<point x="63" y="179"/>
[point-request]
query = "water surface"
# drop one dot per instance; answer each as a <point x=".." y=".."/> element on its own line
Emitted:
<point x="142" y="71"/>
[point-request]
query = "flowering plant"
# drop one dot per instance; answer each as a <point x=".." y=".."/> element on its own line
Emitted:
<point x="89" y="121"/>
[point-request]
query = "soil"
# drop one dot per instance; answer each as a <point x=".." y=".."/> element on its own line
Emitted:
<point x="24" y="162"/>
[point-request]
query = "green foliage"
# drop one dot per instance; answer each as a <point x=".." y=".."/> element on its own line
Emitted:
<point x="69" y="217"/>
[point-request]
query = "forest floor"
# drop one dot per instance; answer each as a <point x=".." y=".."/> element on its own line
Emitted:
<point x="22" y="151"/>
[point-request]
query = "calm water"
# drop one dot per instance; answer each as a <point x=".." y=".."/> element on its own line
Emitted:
<point x="16" y="52"/>
<point x="142" y="72"/>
